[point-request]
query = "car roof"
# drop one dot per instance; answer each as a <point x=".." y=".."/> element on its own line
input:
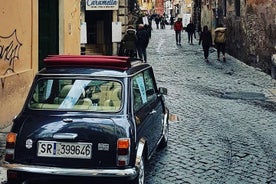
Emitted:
<point x="95" y="61"/>
<point x="88" y="64"/>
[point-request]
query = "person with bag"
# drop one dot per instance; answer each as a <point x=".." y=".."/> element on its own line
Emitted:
<point x="206" y="40"/>
<point x="128" y="43"/>
<point x="220" y="41"/>
<point x="178" y="27"/>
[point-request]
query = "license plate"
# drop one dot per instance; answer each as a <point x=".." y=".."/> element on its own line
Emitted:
<point x="64" y="149"/>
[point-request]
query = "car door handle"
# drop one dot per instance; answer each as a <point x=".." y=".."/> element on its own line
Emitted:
<point x="153" y="112"/>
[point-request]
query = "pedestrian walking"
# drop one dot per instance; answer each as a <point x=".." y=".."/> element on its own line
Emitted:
<point x="128" y="43"/>
<point x="220" y="41"/>
<point x="163" y="22"/>
<point x="206" y="40"/>
<point x="191" y="32"/>
<point x="171" y="21"/>
<point x="178" y="27"/>
<point x="157" y="21"/>
<point x="199" y="30"/>
<point x="142" y="42"/>
<point x="148" y="28"/>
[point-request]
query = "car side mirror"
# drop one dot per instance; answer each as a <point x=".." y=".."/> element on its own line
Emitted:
<point x="163" y="91"/>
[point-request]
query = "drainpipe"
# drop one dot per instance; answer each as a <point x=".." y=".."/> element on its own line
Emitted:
<point x="273" y="65"/>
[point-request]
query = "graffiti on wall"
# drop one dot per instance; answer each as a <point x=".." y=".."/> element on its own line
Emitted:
<point x="9" y="50"/>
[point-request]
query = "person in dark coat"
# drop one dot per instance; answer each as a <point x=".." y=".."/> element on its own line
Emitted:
<point x="148" y="28"/>
<point x="128" y="42"/>
<point x="206" y="40"/>
<point x="191" y="32"/>
<point x="142" y="42"/>
<point x="199" y="29"/>
<point x="163" y="22"/>
<point x="171" y="21"/>
<point x="157" y="21"/>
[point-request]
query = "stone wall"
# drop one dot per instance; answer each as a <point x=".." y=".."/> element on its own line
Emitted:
<point x="252" y="35"/>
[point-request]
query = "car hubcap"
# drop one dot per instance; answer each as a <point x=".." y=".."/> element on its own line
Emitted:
<point x="166" y="133"/>
<point x="142" y="172"/>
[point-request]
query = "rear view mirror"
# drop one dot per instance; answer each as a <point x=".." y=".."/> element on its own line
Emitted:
<point x="163" y="91"/>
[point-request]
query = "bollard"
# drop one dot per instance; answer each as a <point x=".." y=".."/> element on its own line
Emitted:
<point x="273" y="66"/>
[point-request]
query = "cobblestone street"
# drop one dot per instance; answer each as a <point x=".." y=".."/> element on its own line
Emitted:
<point x="225" y="128"/>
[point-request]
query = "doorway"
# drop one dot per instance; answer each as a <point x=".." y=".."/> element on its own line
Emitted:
<point x="48" y="30"/>
<point x="99" y="32"/>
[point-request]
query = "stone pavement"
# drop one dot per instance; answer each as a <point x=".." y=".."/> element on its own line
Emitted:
<point x="270" y="96"/>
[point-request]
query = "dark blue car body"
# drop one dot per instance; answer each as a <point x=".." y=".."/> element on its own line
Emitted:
<point x="88" y="118"/>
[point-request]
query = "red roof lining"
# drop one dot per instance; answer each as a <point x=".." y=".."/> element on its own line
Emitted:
<point x="89" y="56"/>
<point x="112" y="62"/>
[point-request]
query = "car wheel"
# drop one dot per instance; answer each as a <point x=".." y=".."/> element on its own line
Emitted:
<point x="140" y="179"/>
<point x="165" y="138"/>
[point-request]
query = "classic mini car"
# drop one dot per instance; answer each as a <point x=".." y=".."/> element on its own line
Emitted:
<point x="88" y="118"/>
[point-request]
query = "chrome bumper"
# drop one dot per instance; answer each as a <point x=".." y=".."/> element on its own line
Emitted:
<point x="116" y="173"/>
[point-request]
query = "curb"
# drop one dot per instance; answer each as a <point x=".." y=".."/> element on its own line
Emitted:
<point x="6" y="129"/>
<point x="272" y="95"/>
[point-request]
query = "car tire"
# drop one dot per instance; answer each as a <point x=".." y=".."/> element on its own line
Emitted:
<point x="140" y="179"/>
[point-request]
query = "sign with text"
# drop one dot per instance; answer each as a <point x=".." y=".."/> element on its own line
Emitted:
<point x="102" y="4"/>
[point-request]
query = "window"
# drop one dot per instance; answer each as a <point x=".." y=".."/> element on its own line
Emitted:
<point x="64" y="94"/>
<point x="150" y="91"/>
<point x="143" y="89"/>
<point x="137" y="92"/>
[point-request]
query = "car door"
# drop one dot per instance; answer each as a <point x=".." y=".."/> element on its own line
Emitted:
<point x="147" y="108"/>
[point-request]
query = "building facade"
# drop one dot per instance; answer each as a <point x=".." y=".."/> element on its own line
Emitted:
<point x="33" y="29"/>
<point x="159" y="7"/>
<point x="251" y="27"/>
<point x="182" y="9"/>
<point x="29" y="31"/>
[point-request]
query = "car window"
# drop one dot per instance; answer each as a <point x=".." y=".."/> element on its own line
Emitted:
<point x="143" y="89"/>
<point x="66" y="94"/>
<point x="138" y="95"/>
<point x="149" y="85"/>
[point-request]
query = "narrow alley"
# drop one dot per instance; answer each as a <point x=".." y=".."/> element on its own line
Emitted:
<point x="225" y="126"/>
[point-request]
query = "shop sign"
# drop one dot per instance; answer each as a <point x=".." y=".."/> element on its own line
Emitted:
<point x="102" y="4"/>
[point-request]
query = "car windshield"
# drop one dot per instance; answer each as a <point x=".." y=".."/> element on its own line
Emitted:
<point x="67" y="94"/>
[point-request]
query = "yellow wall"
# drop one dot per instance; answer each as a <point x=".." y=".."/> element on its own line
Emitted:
<point x="19" y="48"/>
<point x="69" y="26"/>
<point x="18" y="54"/>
